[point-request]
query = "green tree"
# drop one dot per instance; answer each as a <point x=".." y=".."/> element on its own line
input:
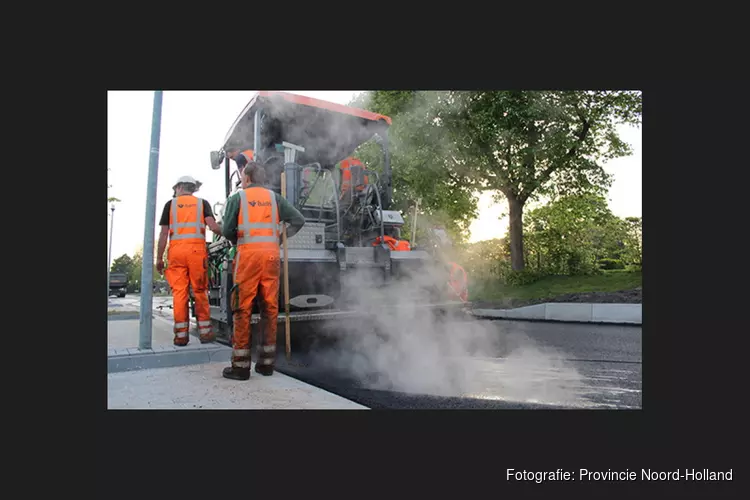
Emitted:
<point x="483" y="259"/>
<point x="525" y="144"/>
<point x="134" y="279"/>
<point x="136" y="274"/>
<point x="122" y="264"/>
<point x="573" y="234"/>
<point x="633" y="254"/>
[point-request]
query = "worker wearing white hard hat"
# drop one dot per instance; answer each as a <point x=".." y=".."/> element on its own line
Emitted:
<point x="183" y="222"/>
<point x="186" y="179"/>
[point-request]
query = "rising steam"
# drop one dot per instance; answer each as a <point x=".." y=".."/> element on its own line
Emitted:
<point x="399" y="347"/>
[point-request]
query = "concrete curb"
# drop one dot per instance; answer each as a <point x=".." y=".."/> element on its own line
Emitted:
<point x="130" y="359"/>
<point x="630" y="314"/>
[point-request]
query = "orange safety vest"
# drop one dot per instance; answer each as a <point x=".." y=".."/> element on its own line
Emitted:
<point x="187" y="223"/>
<point x="258" y="219"/>
<point x="394" y="244"/>
<point x="248" y="154"/>
<point x="346" y="174"/>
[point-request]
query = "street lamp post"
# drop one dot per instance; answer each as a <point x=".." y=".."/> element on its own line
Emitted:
<point x="109" y="255"/>
<point x="147" y="271"/>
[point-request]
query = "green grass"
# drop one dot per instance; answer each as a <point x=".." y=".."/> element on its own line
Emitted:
<point x="552" y="286"/>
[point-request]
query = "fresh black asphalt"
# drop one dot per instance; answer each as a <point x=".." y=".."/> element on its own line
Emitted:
<point x="606" y="360"/>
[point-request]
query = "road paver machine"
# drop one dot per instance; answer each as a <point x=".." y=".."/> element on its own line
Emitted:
<point x="339" y="265"/>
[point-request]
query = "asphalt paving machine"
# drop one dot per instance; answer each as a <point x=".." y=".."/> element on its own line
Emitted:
<point x="337" y="253"/>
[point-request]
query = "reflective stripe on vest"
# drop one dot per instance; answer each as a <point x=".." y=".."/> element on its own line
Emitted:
<point x="245" y="227"/>
<point x="197" y="228"/>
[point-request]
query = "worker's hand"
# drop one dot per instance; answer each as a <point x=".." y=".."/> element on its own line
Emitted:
<point x="160" y="266"/>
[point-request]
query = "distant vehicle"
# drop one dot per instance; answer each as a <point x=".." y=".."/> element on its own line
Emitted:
<point x="118" y="284"/>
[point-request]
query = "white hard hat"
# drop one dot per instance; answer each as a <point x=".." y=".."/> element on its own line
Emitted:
<point x="186" y="179"/>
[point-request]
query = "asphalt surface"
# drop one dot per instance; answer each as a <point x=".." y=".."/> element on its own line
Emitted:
<point x="517" y="365"/>
<point x="475" y="364"/>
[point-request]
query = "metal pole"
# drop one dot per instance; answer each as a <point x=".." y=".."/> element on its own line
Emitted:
<point x="414" y="224"/>
<point x="109" y="255"/>
<point x="147" y="271"/>
<point x="227" y="177"/>
<point x="256" y="136"/>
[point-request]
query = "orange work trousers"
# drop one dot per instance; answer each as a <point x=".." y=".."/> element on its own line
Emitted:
<point x="256" y="274"/>
<point x="187" y="266"/>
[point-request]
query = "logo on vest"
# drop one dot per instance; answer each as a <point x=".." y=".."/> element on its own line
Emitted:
<point x="188" y="205"/>
<point x="253" y="203"/>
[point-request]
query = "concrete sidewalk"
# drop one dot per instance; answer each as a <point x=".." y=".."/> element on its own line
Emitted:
<point x="170" y="377"/>
<point x="201" y="386"/>
<point x="123" y="325"/>
<point x="123" y="332"/>
<point x="573" y="312"/>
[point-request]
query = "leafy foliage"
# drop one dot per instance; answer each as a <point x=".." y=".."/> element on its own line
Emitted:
<point x="633" y="254"/>
<point x="133" y="267"/>
<point x="528" y="143"/>
<point x="578" y="234"/>
<point x="574" y="235"/>
<point x="122" y="264"/>
<point x="484" y="258"/>
<point x="524" y="144"/>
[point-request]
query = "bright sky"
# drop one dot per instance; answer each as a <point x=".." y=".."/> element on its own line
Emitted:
<point x="195" y="123"/>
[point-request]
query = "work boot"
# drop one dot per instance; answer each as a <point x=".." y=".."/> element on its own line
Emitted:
<point x="207" y="339"/>
<point x="180" y="342"/>
<point x="265" y="370"/>
<point x="236" y="373"/>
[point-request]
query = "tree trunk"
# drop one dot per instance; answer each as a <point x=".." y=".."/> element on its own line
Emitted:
<point x="515" y="207"/>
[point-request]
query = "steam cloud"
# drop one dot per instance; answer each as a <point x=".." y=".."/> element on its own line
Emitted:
<point x="397" y="346"/>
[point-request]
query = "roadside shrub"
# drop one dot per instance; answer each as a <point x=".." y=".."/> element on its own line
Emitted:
<point x="610" y="264"/>
<point x="580" y="262"/>
<point x="516" y="278"/>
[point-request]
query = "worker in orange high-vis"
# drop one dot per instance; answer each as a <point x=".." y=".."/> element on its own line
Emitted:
<point x="346" y="174"/>
<point x="184" y="222"/>
<point x="252" y="220"/>
<point x="240" y="157"/>
<point x="459" y="282"/>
